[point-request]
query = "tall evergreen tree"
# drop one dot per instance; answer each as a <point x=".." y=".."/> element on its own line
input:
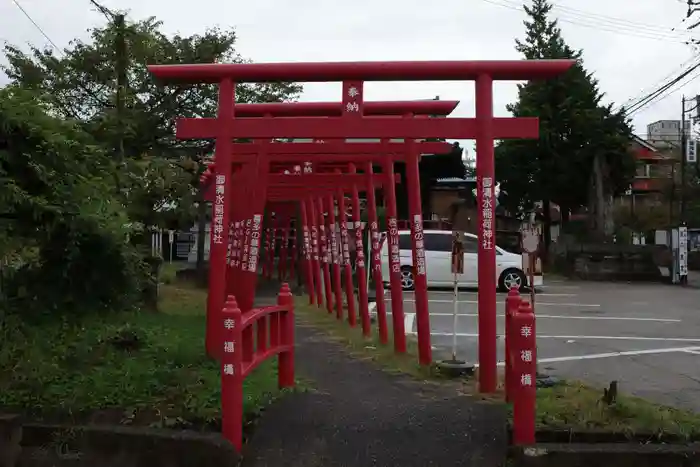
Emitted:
<point x="577" y="132"/>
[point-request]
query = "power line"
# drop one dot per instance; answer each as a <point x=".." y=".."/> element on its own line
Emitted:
<point x="643" y="92"/>
<point x="664" y="30"/>
<point x="669" y="92"/>
<point x="109" y="14"/>
<point x="663" y="84"/>
<point x="618" y="22"/>
<point x="90" y="93"/>
<point x="656" y="95"/>
<point x="595" y="23"/>
<point x="36" y="25"/>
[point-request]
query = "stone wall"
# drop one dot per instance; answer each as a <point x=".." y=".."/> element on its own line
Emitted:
<point x="39" y="445"/>
<point x="611" y="261"/>
<point x="10" y="440"/>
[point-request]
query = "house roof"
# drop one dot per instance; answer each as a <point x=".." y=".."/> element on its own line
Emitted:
<point x="644" y="143"/>
<point x="458" y="179"/>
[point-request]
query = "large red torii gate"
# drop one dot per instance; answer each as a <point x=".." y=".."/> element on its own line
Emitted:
<point x="484" y="128"/>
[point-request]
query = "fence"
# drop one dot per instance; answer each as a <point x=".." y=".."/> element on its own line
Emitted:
<point x="247" y="340"/>
<point x="611" y="261"/>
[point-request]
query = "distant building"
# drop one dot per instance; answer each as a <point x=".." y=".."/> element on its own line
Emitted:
<point x="666" y="133"/>
<point x="654" y="175"/>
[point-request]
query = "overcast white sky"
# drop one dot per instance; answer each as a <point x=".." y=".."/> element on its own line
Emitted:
<point x="629" y="44"/>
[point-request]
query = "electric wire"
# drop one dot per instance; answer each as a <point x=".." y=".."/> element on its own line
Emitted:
<point x="109" y="14"/>
<point x="643" y="30"/>
<point x="658" y="94"/>
<point x="36" y="25"/>
<point x="663" y="30"/>
<point x="645" y="91"/>
<point x="610" y="21"/>
<point x="672" y="92"/>
<point x="630" y="29"/>
<point x="60" y="51"/>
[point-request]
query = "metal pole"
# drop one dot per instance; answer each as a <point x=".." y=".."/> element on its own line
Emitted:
<point x="455" y="309"/>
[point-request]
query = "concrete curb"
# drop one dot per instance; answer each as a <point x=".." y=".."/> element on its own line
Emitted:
<point x="113" y="446"/>
<point x="606" y="455"/>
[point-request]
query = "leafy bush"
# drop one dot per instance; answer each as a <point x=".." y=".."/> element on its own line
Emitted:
<point x="61" y="216"/>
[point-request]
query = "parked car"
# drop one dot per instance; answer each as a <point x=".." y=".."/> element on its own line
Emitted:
<point x="438" y="260"/>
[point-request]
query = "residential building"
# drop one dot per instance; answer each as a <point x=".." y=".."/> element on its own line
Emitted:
<point x="647" y="195"/>
<point x="654" y="168"/>
<point x="666" y="133"/>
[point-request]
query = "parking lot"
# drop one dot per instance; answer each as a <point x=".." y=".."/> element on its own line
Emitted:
<point x="645" y="336"/>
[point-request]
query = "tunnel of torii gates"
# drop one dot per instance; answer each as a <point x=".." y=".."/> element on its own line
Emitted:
<point x="354" y="123"/>
<point x="316" y="193"/>
<point x="344" y="155"/>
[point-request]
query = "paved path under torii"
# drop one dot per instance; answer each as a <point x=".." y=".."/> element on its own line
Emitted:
<point x="358" y="415"/>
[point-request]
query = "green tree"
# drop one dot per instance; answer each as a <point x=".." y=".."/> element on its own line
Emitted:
<point x="80" y="84"/>
<point x="583" y="144"/>
<point x="66" y="232"/>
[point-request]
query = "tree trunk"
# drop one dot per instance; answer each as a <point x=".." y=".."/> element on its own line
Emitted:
<point x="598" y="198"/>
<point x="547" y="228"/>
<point x="608" y="216"/>
<point x="602" y="201"/>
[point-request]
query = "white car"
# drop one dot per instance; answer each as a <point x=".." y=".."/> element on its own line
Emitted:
<point x="438" y="260"/>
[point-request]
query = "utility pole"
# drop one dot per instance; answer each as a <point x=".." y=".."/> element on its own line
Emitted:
<point x="688" y="150"/>
<point x="684" y="149"/>
<point x="121" y="65"/>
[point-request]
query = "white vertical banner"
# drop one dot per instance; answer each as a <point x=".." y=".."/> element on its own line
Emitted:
<point x="691" y="154"/>
<point x="683" y="251"/>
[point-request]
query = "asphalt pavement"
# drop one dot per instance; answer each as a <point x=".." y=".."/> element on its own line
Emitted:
<point x="644" y="335"/>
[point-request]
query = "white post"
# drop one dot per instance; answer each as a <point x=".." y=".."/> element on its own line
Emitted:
<point x="171" y="240"/>
<point x="455" y="309"/>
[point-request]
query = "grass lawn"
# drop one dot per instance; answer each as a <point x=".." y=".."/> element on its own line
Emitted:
<point x="569" y="405"/>
<point x="138" y="368"/>
<point x="578" y="406"/>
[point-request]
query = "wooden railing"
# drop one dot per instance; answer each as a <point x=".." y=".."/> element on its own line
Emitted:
<point x="248" y="340"/>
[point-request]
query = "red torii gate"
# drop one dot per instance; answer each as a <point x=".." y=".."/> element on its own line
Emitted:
<point x="301" y="191"/>
<point x="326" y="184"/>
<point x="249" y="151"/>
<point x="385" y="152"/>
<point x="484" y="128"/>
<point x="350" y="151"/>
